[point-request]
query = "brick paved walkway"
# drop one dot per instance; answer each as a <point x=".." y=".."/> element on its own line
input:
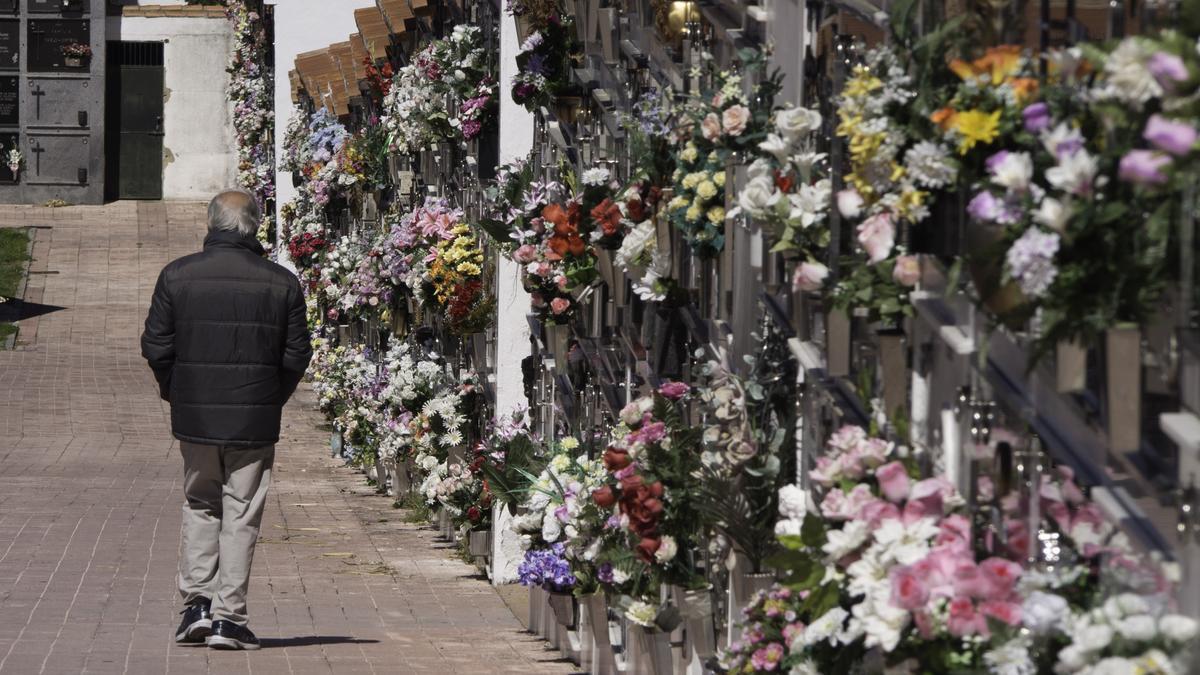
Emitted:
<point x="90" y="502"/>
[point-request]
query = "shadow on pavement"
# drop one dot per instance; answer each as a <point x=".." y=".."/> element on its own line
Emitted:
<point x="311" y="640"/>
<point x="12" y="309"/>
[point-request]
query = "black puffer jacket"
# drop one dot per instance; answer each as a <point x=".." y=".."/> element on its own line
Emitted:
<point x="227" y="338"/>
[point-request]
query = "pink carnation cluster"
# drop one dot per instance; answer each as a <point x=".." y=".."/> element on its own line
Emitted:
<point x="973" y="591"/>
<point x="851" y="455"/>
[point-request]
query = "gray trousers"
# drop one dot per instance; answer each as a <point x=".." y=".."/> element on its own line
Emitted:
<point x="226" y="491"/>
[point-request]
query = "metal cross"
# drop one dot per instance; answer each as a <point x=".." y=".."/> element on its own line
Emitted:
<point x="37" y="150"/>
<point x="38" y="93"/>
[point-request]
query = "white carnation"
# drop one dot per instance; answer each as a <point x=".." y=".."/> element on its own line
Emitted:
<point x="1139" y="627"/>
<point x="793" y="502"/>
<point x="1178" y="628"/>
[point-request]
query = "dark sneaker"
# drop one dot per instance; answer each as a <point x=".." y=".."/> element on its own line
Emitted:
<point x="196" y="625"/>
<point x="229" y="635"/>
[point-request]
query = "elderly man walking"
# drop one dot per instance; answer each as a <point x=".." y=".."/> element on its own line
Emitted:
<point x="228" y="341"/>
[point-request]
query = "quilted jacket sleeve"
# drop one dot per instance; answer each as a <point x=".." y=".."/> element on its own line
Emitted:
<point x="297" y="350"/>
<point x="158" y="339"/>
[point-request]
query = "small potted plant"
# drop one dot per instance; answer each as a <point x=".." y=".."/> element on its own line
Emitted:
<point x="75" y="53"/>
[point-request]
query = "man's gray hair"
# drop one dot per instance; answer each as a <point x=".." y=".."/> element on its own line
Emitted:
<point x="234" y="211"/>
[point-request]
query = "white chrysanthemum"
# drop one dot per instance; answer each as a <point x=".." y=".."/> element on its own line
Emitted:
<point x="641" y="613"/>
<point x="596" y="176"/>
<point x="931" y="165"/>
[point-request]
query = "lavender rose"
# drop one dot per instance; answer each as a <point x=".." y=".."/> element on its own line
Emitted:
<point x="1037" y="117"/>
<point x="1171" y="136"/>
<point x="1167" y="69"/>
<point x="1143" y="167"/>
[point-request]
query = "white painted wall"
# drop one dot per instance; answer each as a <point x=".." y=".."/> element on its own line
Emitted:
<point x="512" y="330"/>
<point x="302" y="26"/>
<point x="199" y="145"/>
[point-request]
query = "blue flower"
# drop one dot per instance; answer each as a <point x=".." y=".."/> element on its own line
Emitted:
<point x="547" y="568"/>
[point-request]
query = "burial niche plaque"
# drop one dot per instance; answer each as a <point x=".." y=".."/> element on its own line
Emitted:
<point x="52" y="6"/>
<point x="8" y="6"/>
<point x="10" y="101"/>
<point x="47" y="37"/>
<point x="10" y="44"/>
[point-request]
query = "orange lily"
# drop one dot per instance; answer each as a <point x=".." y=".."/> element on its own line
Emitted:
<point x="998" y="63"/>
<point x="566" y="237"/>
<point x="944" y="117"/>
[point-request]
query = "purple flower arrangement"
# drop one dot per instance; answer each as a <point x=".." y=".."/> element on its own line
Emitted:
<point x="547" y="568"/>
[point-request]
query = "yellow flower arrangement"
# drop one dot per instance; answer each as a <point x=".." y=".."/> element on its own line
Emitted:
<point x="691" y="180"/>
<point x="455" y="261"/>
<point x="861" y="83"/>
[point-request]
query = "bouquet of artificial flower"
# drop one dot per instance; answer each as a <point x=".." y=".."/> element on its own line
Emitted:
<point x="548" y="569"/>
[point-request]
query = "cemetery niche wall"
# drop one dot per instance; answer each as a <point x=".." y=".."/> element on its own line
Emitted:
<point x="854" y="340"/>
<point x="52" y="84"/>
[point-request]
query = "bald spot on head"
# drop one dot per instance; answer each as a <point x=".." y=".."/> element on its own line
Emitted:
<point x="233" y="199"/>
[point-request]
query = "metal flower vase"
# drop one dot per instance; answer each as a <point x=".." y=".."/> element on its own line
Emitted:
<point x="392" y="470"/>
<point x="600" y="659"/>
<point x="478" y="350"/>
<point x="479" y="542"/>
<point x="402" y="478"/>
<point x="537" y="601"/>
<point x="1123" y="385"/>
<point x="381" y="475"/>
<point x="893" y="369"/>
<point x="649" y="651"/>
<point x="613" y="276"/>
<point x="742" y="589"/>
<point x="1070" y="366"/>
<point x="837" y="343"/>
<point x="563" y="606"/>
<point x="558" y="338"/>
<point x="699" y="627"/>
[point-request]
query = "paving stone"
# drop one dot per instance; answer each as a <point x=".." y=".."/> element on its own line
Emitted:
<point x="91" y="496"/>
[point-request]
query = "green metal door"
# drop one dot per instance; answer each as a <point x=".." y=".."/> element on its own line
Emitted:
<point x="135" y="137"/>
